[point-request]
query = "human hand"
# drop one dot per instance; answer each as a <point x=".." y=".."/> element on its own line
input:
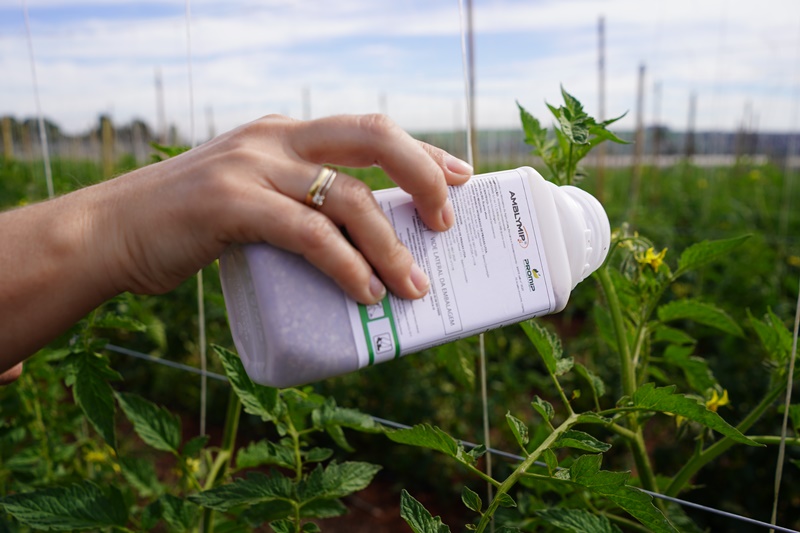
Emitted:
<point x="248" y="185"/>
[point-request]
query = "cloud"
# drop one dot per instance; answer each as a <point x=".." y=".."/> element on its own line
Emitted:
<point x="253" y="58"/>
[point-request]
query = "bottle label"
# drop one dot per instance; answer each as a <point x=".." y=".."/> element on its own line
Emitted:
<point x="487" y="271"/>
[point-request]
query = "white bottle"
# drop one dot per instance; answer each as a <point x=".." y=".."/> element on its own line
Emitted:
<point x="519" y="246"/>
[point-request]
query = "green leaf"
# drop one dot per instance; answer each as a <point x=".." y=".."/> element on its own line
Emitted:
<point x="89" y="375"/>
<point x="666" y="400"/>
<point x="337" y="434"/>
<point x="458" y="359"/>
<point x="141" y="474"/>
<point x="544" y="408"/>
<point x="580" y="441"/>
<point x="79" y="506"/>
<point x="508" y="529"/>
<point x="519" y="429"/>
<point x="596" y="384"/>
<point x="535" y="134"/>
<point x="322" y="508"/>
<point x="268" y="511"/>
<point x="151" y="515"/>
<point x="794" y="415"/>
<point x="664" y="333"/>
<point x="256" y="399"/>
<point x="317" y="455"/>
<point x="586" y="471"/>
<point x="697" y="372"/>
<point x="336" y="480"/>
<point x="194" y="445"/>
<point x="156" y="426"/>
<point x="471" y="499"/>
<point x="774" y="336"/>
<point x="551" y="460"/>
<point x="178" y="513"/>
<point x="265" y="453"/>
<point x="476" y="453"/>
<point x="700" y="312"/>
<point x="418" y="517"/>
<point x="120" y="322"/>
<point x="330" y="415"/>
<point x="310" y="527"/>
<point x="577" y="521"/>
<point x="504" y="500"/>
<point x="426" y="436"/>
<point x="255" y="488"/>
<point x="549" y="347"/>
<point x="283" y="526"/>
<point x="704" y="252"/>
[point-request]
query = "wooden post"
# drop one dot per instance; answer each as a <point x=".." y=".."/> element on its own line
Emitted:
<point x="8" y="139"/>
<point x="690" y="142"/>
<point x="107" y="139"/>
<point x="601" y="107"/>
<point x="471" y="69"/>
<point x="638" y="148"/>
<point x="657" y="130"/>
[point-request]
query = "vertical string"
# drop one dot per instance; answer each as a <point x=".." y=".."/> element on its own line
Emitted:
<point x="468" y="91"/>
<point x="48" y="173"/>
<point x="787" y="404"/>
<point x="201" y="308"/>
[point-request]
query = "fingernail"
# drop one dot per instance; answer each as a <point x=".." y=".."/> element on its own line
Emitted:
<point x="419" y="278"/>
<point x="377" y="288"/>
<point x="448" y="215"/>
<point x="457" y="166"/>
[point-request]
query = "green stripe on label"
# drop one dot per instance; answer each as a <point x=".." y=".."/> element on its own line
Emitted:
<point x="365" y="320"/>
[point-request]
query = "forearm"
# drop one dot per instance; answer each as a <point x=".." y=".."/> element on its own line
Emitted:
<point x="52" y="269"/>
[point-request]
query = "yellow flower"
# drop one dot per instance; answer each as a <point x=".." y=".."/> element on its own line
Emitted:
<point x="793" y="260"/>
<point x="717" y="401"/>
<point x="651" y="258"/>
<point x="192" y="465"/>
<point x="95" y="456"/>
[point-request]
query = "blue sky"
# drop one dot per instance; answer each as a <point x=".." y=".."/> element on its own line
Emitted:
<point x="256" y="57"/>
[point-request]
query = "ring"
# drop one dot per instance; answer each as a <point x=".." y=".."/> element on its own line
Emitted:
<point x="319" y="189"/>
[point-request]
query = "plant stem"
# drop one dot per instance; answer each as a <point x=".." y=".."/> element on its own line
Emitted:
<point x="715" y="450"/>
<point x="776" y="440"/>
<point x="522" y="468"/>
<point x="625" y="361"/>
<point x="222" y="462"/>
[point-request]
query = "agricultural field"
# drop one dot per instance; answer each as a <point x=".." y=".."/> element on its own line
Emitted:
<point x="667" y="372"/>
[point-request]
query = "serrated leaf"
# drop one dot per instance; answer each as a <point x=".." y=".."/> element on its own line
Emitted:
<point x="256" y="399"/>
<point x="504" y="500"/>
<point x="774" y="336"/>
<point x="704" y="252"/>
<point x="317" y="455"/>
<point x="156" y="426"/>
<point x="695" y="369"/>
<point x="310" y="527"/>
<point x="471" y="499"/>
<point x="282" y="526"/>
<point x="666" y="400"/>
<point x="551" y="460"/>
<point x="549" y="347"/>
<point x="329" y="414"/>
<point x="612" y="485"/>
<point x="426" y="436"/>
<point x="194" y="445"/>
<point x="337" y="434"/>
<point x="577" y="521"/>
<point x="79" y="506"/>
<point x="255" y="488"/>
<point x="544" y="408"/>
<point x="337" y="480"/>
<point x="178" y="513"/>
<point x="265" y="453"/>
<point x="322" y="508"/>
<point x="664" y="333"/>
<point x="121" y="322"/>
<point x="476" y="452"/>
<point x="418" y="518"/>
<point x="700" y="312"/>
<point x="519" y="429"/>
<point x="141" y="474"/>
<point x="580" y="441"/>
<point x="151" y="515"/>
<point x="535" y="134"/>
<point x="268" y="511"/>
<point x="90" y="375"/>
<point x="596" y="384"/>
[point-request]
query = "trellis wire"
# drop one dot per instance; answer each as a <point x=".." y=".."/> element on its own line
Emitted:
<point x="201" y="307"/>
<point x="491" y="451"/>
<point x="48" y="173"/>
<point x="787" y="404"/>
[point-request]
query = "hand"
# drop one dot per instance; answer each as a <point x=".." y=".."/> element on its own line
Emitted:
<point x="249" y="185"/>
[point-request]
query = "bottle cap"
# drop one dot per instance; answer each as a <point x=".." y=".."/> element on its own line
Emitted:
<point x="598" y="229"/>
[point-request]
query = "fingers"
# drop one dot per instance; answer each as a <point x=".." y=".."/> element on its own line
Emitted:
<point x="365" y="140"/>
<point x="11" y="374"/>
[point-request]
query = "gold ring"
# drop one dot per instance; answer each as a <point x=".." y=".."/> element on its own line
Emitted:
<point x="319" y="189"/>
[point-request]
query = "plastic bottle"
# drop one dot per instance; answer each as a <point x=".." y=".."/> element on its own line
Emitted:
<point x="519" y="246"/>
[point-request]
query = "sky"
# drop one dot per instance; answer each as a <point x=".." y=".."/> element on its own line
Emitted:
<point x="255" y="57"/>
